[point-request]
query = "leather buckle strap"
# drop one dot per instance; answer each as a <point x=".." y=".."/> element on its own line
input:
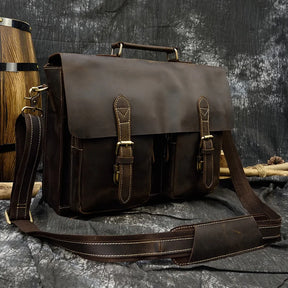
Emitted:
<point x="205" y="159"/>
<point x="124" y="152"/>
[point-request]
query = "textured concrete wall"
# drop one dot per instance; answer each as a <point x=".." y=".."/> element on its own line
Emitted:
<point x="248" y="37"/>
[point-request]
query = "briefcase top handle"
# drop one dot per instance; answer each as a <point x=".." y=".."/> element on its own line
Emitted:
<point x="168" y="50"/>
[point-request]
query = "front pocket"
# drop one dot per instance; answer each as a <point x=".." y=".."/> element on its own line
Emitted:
<point x="183" y="179"/>
<point x="97" y="191"/>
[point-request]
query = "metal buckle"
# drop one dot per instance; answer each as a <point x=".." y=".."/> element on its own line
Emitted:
<point x="9" y="221"/>
<point x="200" y="163"/>
<point x="206" y="137"/>
<point x="116" y="166"/>
<point x="122" y="143"/>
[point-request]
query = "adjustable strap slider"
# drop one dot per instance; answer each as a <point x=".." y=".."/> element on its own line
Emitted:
<point x="7" y="217"/>
<point x="9" y="221"/>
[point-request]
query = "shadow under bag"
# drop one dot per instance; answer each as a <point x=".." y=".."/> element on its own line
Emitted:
<point x="118" y="133"/>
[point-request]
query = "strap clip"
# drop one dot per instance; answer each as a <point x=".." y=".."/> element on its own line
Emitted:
<point x="34" y="95"/>
<point x="116" y="173"/>
<point x="200" y="163"/>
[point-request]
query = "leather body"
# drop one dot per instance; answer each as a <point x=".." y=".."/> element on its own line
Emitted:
<point x="81" y="136"/>
<point x="170" y="122"/>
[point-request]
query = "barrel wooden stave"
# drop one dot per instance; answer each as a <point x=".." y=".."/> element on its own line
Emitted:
<point x="15" y="47"/>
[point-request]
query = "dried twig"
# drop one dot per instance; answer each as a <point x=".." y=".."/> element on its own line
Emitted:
<point x="6" y="187"/>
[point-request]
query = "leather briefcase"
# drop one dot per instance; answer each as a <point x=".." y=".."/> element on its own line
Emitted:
<point x="119" y="133"/>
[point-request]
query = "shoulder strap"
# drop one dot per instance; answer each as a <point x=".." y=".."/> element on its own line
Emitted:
<point x="185" y="244"/>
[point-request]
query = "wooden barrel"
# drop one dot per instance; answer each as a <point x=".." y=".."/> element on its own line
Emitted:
<point x="18" y="73"/>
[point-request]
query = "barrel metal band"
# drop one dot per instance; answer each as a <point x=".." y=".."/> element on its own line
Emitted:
<point x="4" y="148"/>
<point x="15" y="67"/>
<point x="15" y="24"/>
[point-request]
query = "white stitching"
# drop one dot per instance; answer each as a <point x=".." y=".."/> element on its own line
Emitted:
<point x="210" y="223"/>
<point x="119" y="117"/>
<point x="123" y="243"/>
<point x="270" y="227"/>
<point x="38" y="149"/>
<point x="219" y="257"/>
<point x="129" y="255"/>
<point x="120" y="112"/>
<point x="26" y="163"/>
<point x="271" y="237"/>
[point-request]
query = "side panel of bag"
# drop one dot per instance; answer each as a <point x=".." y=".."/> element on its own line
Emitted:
<point x="78" y="173"/>
<point x="56" y="138"/>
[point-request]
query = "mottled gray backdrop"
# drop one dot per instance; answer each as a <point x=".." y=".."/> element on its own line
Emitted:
<point x="249" y="38"/>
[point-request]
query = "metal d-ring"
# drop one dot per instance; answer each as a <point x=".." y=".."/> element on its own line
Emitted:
<point x="120" y="50"/>
<point x="176" y="55"/>
<point x="32" y="108"/>
<point x="34" y="91"/>
<point x="34" y="94"/>
<point x="9" y="221"/>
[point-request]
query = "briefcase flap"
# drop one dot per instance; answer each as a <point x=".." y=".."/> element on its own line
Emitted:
<point x="163" y="95"/>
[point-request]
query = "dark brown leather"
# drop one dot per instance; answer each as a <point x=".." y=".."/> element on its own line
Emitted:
<point x="123" y="172"/>
<point x="159" y="115"/>
<point x="185" y="244"/>
<point x="28" y="153"/>
<point x="159" y="108"/>
<point x="206" y="165"/>
<point x="163" y="95"/>
<point x="223" y="238"/>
